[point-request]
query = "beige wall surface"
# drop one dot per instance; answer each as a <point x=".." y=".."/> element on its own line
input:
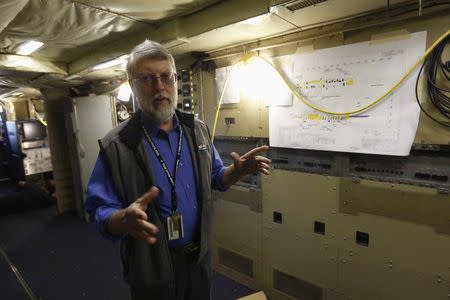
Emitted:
<point x="21" y="110"/>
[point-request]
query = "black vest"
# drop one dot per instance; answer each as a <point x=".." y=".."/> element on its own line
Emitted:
<point x="127" y="160"/>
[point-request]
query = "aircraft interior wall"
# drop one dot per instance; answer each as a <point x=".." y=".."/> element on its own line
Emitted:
<point x="330" y="233"/>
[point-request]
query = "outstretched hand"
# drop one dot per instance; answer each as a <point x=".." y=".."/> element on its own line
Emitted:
<point x="135" y="218"/>
<point x="251" y="162"/>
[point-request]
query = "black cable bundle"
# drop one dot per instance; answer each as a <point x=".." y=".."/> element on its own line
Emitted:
<point x="438" y="95"/>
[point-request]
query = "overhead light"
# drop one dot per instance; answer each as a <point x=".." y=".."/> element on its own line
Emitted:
<point x="73" y="76"/>
<point x="258" y="80"/>
<point x="111" y="63"/>
<point x="258" y="20"/>
<point x="29" y="47"/>
<point x="124" y="92"/>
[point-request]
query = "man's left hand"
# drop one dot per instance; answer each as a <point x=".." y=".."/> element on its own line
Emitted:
<point x="251" y="162"/>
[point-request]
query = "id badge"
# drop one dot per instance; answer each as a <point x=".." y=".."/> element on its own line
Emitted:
<point x="175" y="226"/>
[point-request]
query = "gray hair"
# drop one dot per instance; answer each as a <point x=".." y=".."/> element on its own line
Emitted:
<point x="148" y="50"/>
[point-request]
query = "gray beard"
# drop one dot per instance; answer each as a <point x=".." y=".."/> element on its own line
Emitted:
<point x="160" y="115"/>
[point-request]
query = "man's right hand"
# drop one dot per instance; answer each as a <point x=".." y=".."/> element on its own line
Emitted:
<point x="133" y="219"/>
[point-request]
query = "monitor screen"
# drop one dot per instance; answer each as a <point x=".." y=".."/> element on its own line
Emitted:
<point x="33" y="131"/>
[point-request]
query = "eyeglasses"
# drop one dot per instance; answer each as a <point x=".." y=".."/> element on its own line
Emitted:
<point x="166" y="78"/>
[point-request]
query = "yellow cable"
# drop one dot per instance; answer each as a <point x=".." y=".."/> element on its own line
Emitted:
<point x="356" y="111"/>
<point x="36" y="114"/>
<point x="41" y="120"/>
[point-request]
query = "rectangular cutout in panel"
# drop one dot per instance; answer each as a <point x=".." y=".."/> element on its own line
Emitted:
<point x="319" y="227"/>
<point x="280" y="160"/>
<point x="295" y="287"/>
<point x="236" y="262"/>
<point x="423" y="176"/>
<point x="186" y="90"/>
<point x="187" y="104"/>
<point x="362" y="238"/>
<point x="278" y="217"/>
<point x="230" y="121"/>
<point x="442" y="178"/>
<point x="308" y="164"/>
<point x="325" y="166"/>
<point x="184" y="76"/>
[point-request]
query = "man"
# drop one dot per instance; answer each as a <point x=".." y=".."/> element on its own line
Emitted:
<point x="151" y="185"/>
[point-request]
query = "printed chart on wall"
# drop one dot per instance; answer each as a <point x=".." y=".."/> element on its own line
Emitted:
<point x="346" y="78"/>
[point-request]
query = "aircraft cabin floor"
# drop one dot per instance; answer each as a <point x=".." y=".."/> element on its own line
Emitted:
<point x="63" y="257"/>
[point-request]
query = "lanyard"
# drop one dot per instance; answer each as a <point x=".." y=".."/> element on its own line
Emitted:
<point x="164" y="166"/>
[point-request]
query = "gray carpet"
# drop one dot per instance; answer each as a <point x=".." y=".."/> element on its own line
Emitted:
<point x="63" y="257"/>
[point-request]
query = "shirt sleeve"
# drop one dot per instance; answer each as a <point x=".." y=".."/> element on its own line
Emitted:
<point x="218" y="169"/>
<point x="101" y="199"/>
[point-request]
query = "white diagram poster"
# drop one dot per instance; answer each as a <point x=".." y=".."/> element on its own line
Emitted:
<point x="346" y="78"/>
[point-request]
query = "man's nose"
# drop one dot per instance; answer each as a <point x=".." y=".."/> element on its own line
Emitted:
<point x="158" y="84"/>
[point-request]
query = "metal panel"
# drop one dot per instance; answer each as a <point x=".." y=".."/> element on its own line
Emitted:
<point x="295" y="287"/>
<point x="400" y="202"/>
<point x="236" y="262"/>
<point x="237" y="228"/>
<point x="90" y="119"/>
<point x="425" y="167"/>
<point x="368" y="255"/>
<point x="293" y="246"/>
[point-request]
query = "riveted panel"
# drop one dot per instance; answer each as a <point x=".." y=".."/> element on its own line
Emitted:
<point x="237" y="232"/>
<point x="397" y="201"/>
<point x="300" y="246"/>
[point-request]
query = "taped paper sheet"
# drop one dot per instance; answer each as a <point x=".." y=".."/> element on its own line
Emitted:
<point x="257" y="80"/>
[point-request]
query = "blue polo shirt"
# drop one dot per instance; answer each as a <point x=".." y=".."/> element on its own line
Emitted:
<point x="102" y="201"/>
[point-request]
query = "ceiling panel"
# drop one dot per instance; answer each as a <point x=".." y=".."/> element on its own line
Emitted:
<point x="11" y="74"/>
<point x="150" y="10"/>
<point x="68" y="29"/>
<point x="9" y="10"/>
<point x="262" y="26"/>
<point x="5" y="89"/>
<point x="11" y="80"/>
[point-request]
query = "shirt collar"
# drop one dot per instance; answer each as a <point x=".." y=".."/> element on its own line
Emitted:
<point x="153" y="129"/>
